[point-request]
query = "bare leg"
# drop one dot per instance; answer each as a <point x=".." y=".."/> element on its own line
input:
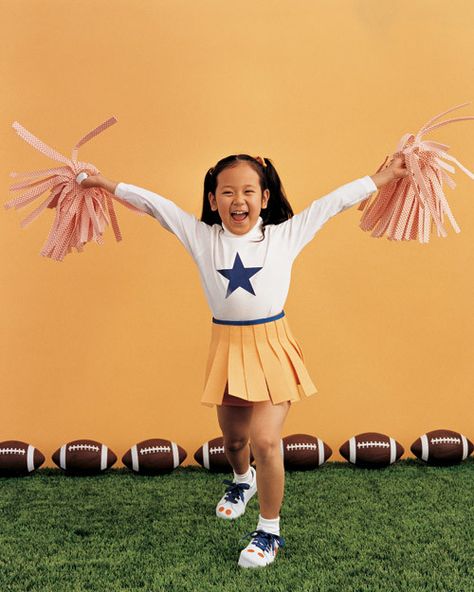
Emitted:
<point x="235" y="426"/>
<point x="265" y="434"/>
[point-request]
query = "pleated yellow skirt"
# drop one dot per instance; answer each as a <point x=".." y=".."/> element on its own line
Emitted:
<point x="257" y="360"/>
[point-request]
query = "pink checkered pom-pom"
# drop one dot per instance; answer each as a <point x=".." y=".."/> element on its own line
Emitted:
<point x="406" y="208"/>
<point x="82" y="214"/>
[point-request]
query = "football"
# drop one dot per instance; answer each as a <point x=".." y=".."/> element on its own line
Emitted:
<point x="442" y="447"/>
<point x="154" y="456"/>
<point x="84" y="457"/>
<point x="371" y="449"/>
<point x="303" y="452"/>
<point x="211" y="456"/>
<point x="19" y="458"/>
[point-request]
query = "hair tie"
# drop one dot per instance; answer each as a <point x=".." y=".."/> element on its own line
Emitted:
<point x="261" y="160"/>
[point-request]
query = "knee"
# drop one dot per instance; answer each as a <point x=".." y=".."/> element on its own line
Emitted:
<point x="264" y="446"/>
<point x="234" y="444"/>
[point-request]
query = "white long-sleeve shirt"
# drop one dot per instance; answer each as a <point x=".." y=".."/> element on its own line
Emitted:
<point x="245" y="280"/>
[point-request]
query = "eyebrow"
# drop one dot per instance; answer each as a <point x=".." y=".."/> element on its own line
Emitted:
<point x="248" y="185"/>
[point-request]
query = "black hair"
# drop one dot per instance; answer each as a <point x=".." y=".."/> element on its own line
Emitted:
<point x="278" y="207"/>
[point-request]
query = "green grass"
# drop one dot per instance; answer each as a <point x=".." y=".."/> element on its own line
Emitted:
<point x="408" y="527"/>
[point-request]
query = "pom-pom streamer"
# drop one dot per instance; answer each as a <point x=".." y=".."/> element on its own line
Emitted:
<point x="406" y="208"/>
<point x="81" y="213"/>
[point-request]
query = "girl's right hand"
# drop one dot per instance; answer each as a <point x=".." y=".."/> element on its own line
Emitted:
<point x="93" y="181"/>
<point x="99" y="181"/>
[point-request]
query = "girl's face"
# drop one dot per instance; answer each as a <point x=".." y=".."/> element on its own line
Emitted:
<point x="238" y="189"/>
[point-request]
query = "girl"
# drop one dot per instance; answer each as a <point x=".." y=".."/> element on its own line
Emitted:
<point x="244" y="246"/>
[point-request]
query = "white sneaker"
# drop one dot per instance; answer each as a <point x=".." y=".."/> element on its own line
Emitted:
<point x="261" y="550"/>
<point x="233" y="503"/>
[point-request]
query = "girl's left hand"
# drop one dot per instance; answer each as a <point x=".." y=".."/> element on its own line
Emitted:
<point x="397" y="168"/>
<point x="393" y="172"/>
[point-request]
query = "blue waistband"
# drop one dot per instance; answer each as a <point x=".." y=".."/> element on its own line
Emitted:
<point x="251" y="322"/>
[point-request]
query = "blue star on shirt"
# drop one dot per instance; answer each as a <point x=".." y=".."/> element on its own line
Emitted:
<point x="239" y="276"/>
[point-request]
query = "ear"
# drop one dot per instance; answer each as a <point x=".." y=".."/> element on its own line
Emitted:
<point x="212" y="201"/>
<point x="265" y="198"/>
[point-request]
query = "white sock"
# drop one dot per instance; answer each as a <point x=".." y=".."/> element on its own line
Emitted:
<point x="269" y="525"/>
<point x="245" y="478"/>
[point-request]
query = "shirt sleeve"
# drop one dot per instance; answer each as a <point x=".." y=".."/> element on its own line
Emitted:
<point x="300" y="229"/>
<point x="192" y="233"/>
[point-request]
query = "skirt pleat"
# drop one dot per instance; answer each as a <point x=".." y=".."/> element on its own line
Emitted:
<point x="236" y="376"/>
<point x="297" y="359"/>
<point x="216" y="372"/>
<point x="280" y="376"/>
<point x="255" y="362"/>
<point x="291" y="339"/>
<point x="254" y="374"/>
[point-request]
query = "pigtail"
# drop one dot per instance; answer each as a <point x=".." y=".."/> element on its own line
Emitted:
<point x="278" y="209"/>
<point x="207" y="214"/>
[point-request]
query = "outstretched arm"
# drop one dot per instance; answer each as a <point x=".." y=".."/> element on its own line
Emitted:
<point x="299" y="230"/>
<point x="192" y="233"/>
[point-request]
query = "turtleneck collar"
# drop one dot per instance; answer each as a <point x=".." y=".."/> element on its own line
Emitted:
<point x="254" y="232"/>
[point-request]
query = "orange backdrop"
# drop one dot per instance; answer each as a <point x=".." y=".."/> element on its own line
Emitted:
<point x="111" y="344"/>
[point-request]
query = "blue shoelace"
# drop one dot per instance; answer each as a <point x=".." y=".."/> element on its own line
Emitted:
<point x="265" y="540"/>
<point x="234" y="491"/>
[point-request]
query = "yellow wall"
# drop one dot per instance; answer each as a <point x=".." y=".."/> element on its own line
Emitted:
<point x="111" y="344"/>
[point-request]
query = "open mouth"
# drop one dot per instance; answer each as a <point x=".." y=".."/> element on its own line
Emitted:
<point x="239" y="217"/>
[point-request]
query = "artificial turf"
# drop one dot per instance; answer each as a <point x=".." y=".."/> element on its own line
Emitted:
<point x="407" y="527"/>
